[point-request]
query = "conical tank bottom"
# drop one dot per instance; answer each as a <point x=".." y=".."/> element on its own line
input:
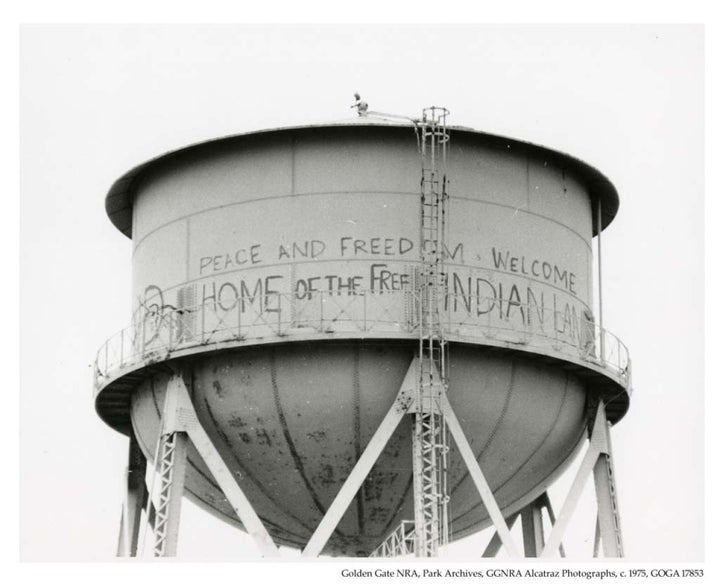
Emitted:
<point x="291" y="421"/>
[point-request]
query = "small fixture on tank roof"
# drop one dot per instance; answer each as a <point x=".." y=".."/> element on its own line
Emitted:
<point x="361" y="105"/>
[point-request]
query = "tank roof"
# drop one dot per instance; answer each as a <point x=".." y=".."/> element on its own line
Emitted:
<point x="119" y="200"/>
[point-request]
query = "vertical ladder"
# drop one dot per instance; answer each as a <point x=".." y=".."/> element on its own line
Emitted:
<point x="430" y="446"/>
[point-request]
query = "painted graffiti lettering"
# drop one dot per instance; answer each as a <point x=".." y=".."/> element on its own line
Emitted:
<point x="350" y="246"/>
<point x="346" y="280"/>
<point x="306" y="249"/>
<point x="506" y="304"/>
<point x="227" y="302"/>
<point x="512" y="303"/>
<point x="382" y="279"/>
<point x="477" y="296"/>
<point x="304" y="288"/>
<point x="223" y="262"/>
<point x="272" y="296"/>
<point x="456" y="254"/>
<point x="565" y="321"/>
<point x="332" y="284"/>
<point x="338" y="284"/>
<point x="484" y="296"/>
<point x="550" y="272"/>
<point x="227" y="296"/>
<point x="154" y="314"/>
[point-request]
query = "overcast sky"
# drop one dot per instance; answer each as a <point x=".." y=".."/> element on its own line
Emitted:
<point x="97" y="100"/>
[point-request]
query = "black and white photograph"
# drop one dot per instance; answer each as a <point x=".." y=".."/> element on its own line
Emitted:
<point x="379" y="301"/>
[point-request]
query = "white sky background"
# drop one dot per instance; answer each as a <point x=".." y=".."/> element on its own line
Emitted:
<point x="97" y="100"/>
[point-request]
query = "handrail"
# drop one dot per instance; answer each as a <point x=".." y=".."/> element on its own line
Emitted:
<point x="159" y="331"/>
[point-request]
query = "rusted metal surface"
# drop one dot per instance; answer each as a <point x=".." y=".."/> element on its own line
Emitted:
<point x="284" y="418"/>
<point x="161" y="334"/>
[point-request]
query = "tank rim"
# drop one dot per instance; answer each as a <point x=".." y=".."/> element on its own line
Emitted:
<point x="119" y="199"/>
<point x="112" y="399"/>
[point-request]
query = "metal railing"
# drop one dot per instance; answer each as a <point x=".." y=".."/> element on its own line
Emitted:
<point x="159" y="331"/>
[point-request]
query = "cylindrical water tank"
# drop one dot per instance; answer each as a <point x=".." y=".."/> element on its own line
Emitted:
<point x="277" y="271"/>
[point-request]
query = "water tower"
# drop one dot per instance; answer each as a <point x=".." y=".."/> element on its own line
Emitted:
<point x="371" y="337"/>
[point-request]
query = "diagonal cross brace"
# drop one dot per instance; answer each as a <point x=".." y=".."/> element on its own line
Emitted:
<point x="399" y="408"/>
<point x="404" y="404"/>
<point x="495" y="543"/>
<point x="533" y="532"/>
<point x="180" y="416"/>
<point x="597" y="461"/>
<point x="532" y="527"/>
<point x="478" y="477"/>
<point x="135" y="499"/>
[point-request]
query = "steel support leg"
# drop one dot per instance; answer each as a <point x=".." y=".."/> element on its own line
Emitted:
<point x="441" y="407"/>
<point x="399" y="408"/>
<point x="596" y="541"/>
<point x="571" y="502"/>
<point x="188" y="420"/>
<point x="605" y="491"/>
<point x="122" y="544"/>
<point x="180" y="424"/>
<point x="551" y="515"/>
<point x="136" y="497"/>
<point x="532" y="526"/>
<point x="608" y="515"/>
<point x="172" y="464"/>
<point x="597" y="461"/>
<point x="493" y="547"/>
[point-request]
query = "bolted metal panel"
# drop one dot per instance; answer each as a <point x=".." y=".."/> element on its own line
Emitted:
<point x="344" y="219"/>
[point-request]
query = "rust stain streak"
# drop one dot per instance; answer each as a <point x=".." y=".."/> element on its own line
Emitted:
<point x="288" y="438"/>
<point x="245" y="473"/>
<point x="360" y="497"/>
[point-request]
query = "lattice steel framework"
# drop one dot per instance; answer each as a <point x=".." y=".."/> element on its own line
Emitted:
<point x="423" y="395"/>
<point x="399" y="542"/>
<point x="172" y="458"/>
<point x="430" y="445"/>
